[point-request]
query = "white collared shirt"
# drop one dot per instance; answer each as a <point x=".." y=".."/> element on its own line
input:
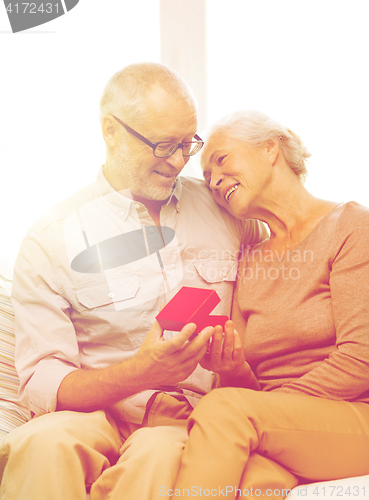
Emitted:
<point x="82" y="300"/>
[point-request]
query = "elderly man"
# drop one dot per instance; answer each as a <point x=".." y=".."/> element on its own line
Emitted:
<point x="111" y="391"/>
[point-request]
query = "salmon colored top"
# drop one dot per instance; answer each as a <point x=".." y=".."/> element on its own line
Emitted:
<point x="304" y="313"/>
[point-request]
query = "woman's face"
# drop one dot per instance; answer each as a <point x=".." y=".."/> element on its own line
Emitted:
<point x="237" y="173"/>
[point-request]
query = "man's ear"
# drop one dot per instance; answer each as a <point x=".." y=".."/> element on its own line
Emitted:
<point x="110" y="131"/>
<point x="272" y="150"/>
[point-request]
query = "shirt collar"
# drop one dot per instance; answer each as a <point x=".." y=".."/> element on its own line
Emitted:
<point x="122" y="201"/>
<point x="119" y="201"/>
<point x="176" y="194"/>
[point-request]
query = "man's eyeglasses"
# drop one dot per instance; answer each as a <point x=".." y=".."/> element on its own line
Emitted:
<point x="167" y="148"/>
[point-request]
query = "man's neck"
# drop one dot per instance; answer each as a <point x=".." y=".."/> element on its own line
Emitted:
<point x="153" y="207"/>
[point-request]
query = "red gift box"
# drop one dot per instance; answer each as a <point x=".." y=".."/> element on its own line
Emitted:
<point x="191" y="305"/>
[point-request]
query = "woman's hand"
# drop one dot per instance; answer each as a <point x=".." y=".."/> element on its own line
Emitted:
<point x="225" y="357"/>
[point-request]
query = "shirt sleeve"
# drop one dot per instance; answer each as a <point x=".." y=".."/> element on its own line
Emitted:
<point x="344" y="374"/>
<point x="46" y="344"/>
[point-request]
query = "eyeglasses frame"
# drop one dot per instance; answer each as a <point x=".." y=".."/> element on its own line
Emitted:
<point x="154" y="145"/>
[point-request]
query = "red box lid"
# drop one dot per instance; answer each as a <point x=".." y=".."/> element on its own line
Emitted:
<point x="189" y="305"/>
<point x="212" y="320"/>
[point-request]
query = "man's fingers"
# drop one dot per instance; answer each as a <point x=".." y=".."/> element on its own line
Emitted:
<point x="198" y="357"/>
<point x="199" y="343"/>
<point x="177" y="342"/>
<point x="155" y="332"/>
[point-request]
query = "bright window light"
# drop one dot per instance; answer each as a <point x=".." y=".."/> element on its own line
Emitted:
<point x="304" y="63"/>
<point x="51" y="81"/>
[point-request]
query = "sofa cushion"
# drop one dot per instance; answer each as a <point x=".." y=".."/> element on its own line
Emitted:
<point x="12" y="412"/>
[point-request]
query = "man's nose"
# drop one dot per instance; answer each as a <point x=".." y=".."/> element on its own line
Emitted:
<point x="177" y="160"/>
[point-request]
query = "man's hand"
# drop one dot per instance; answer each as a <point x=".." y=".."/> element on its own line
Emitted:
<point x="158" y="362"/>
<point x="225" y="357"/>
<point x="170" y="361"/>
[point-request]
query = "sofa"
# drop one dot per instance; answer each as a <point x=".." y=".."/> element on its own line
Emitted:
<point x="13" y="413"/>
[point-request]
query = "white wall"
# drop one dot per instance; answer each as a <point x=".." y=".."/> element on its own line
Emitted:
<point x="304" y="63"/>
<point x="51" y="80"/>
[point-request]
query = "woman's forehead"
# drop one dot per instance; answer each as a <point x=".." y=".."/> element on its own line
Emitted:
<point x="212" y="144"/>
<point x="218" y="143"/>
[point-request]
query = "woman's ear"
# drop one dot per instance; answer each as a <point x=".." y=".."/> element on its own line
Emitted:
<point x="272" y="150"/>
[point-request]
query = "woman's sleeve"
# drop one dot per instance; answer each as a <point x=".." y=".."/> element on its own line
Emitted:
<point x="344" y="375"/>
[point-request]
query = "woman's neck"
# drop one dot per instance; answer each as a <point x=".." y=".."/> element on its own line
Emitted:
<point x="291" y="215"/>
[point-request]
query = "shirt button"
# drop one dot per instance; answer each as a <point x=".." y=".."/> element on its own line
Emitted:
<point x="111" y="295"/>
<point x="224" y="273"/>
<point x="122" y="213"/>
<point x="151" y="230"/>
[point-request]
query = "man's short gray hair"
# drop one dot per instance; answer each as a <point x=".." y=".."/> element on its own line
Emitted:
<point x="127" y="89"/>
<point x="256" y="128"/>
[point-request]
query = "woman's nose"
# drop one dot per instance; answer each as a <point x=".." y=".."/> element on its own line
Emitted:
<point x="216" y="181"/>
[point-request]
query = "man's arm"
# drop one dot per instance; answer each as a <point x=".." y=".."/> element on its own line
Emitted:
<point x="156" y="362"/>
<point x="48" y="349"/>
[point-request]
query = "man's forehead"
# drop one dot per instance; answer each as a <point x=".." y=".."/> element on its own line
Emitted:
<point x="168" y="115"/>
<point x="159" y="101"/>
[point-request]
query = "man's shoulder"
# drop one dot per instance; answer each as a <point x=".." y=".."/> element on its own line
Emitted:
<point x="196" y="193"/>
<point x="65" y="207"/>
<point x="194" y="183"/>
<point x="197" y="189"/>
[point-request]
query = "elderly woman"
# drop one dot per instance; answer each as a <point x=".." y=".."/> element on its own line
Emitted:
<point x="297" y="409"/>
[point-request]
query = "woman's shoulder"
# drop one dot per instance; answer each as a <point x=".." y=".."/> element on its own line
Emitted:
<point x="348" y="232"/>
<point x="352" y="216"/>
<point x="353" y="207"/>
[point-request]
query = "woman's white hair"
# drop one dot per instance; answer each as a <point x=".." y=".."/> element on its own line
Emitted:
<point x="256" y="128"/>
<point x="127" y="89"/>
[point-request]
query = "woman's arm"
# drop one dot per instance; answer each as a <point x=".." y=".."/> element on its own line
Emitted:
<point x="344" y="374"/>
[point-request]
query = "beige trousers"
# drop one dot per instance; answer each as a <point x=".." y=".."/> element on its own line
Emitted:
<point x="244" y="443"/>
<point x="58" y="455"/>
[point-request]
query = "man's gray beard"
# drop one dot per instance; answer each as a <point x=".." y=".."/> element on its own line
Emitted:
<point x="123" y="165"/>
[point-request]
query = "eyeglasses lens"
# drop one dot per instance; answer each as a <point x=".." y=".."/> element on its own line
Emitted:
<point x="165" y="149"/>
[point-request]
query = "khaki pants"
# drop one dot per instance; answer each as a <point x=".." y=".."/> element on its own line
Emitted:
<point x="56" y="456"/>
<point x="244" y="443"/>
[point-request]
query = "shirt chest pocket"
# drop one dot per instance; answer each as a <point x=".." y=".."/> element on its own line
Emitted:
<point x="216" y="271"/>
<point x="105" y="313"/>
<point x="104" y="293"/>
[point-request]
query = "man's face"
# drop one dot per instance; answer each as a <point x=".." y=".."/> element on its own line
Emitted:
<point x="167" y="119"/>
